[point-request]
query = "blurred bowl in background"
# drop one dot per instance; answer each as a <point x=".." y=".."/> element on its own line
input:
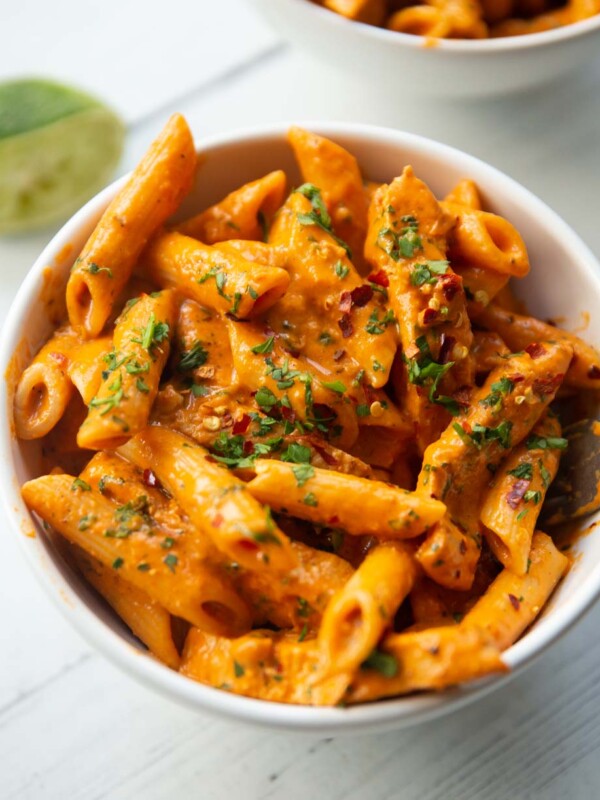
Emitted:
<point x="407" y="64"/>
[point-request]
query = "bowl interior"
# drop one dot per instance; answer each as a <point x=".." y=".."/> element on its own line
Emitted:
<point x="564" y="284"/>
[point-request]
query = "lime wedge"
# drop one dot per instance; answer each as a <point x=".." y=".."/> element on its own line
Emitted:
<point x="58" y="147"/>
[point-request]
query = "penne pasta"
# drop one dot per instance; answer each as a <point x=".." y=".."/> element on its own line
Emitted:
<point x="132" y="372"/>
<point x="357" y="616"/>
<point x="220" y="281"/>
<point x="154" y="191"/>
<point x="217" y="503"/>
<point x="513" y="601"/>
<point x="121" y="537"/>
<point x="520" y="331"/>
<point x="517" y="490"/>
<point x="369" y="507"/>
<point x="244" y="214"/>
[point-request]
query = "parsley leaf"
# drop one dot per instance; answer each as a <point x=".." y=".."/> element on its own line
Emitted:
<point x="385" y="663"/>
<point x="265" y="348"/>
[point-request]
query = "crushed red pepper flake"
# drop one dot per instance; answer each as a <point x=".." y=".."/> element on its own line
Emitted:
<point x="241" y="425"/>
<point x="514" y="601"/>
<point x="379" y="278"/>
<point x="345" y="325"/>
<point x="361" y="295"/>
<point x="516" y="494"/>
<point x="535" y="350"/>
<point x="149" y="478"/>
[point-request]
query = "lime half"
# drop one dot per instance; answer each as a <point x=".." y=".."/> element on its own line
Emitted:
<point x="58" y="147"/>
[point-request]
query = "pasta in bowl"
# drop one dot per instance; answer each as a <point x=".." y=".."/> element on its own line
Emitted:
<point x="442" y="48"/>
<point x="278" y="436"/>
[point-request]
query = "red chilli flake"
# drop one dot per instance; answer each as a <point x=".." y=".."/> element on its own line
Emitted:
<point x="149" y="478"/>
<point x="546" y="386"/>
<point x="288" y="414"/>
<point x="217" y="521"/>
<point x="334" y="520"/>
<point x="345" y="302"/>
<point x="535" y="350"/>
<point x="338" y="355"/>
<point x="361" y="295"/>
<point x="516" y="494"/>
<point x="248" y="447"/>
<point x="447" y="343"/>
<point x="516" y="378"/>
<point x="450" y="284"/>
<point x="241" y="425"/>
<point x="514" y="601"/>
<point x="594" y="373"/>
<point x="430" y="315"/>
<point x="379" y="278"/>
<point x="345" y="324"/>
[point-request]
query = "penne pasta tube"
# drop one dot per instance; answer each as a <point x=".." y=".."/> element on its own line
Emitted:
<point x="357" y="616"/>
<point x="407" y="241"/>
<point x="220" y="281"/>
<point x="449" y="556"/>
<point x="421" y="21"/>
<point x="457" y="468"/>
<point x="152" y="194"/>
<point x="512" y="602"/>
<point x="481" y="286"/>
<point x="520" y="331"/>
<point x="465" y="18"/>
<point x="262" y="664"/>
<point x="465" y="193"/>
<point x="217" y="503"/>
<point x="336" y="173"/>
<point x="121" y="482"/>
<point x="368" y="508"/>
<point x="489" y="351"/>
<point x="44" y="389"/>
<point x="87" y="364"/>
<point x="513" y="503"/>
<point x="485" y="240"/>
<point x="244" y="214"/>
<point x="255" y="252"/>
<point x="297" y="598"/>
<point x="132" y="372"/>
<point x="328" y="309"/>
<point x="370" y="11"/>
<point x="122" y="538"/>
<point x="428" y="659"/>
<point x="146" y="618"/>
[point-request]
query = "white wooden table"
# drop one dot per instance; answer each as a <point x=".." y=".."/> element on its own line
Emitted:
<point x="71" y="725"/>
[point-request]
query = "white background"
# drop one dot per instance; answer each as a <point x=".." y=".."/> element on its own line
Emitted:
<point x="71" y="725"/>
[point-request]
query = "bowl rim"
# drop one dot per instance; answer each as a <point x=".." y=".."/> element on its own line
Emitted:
<point x="501" y="44"/>
<point x="388" y="714"/>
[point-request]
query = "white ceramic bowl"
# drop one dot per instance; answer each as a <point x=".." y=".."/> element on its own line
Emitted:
<point x="564" y="282"/>
<point x="406" y="64"/>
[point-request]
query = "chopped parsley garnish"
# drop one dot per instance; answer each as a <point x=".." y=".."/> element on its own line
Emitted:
<point x="427" y="272"/>
<point x="377" y="326"/>
<point x="262" y="221"/>
<point x="424" y="371"/>
<point x="135" y="368"/>
<point x="399" y="245"/>
<point x="265" y="398"/>
<point x="378" y="366"/>
<point x="499" y="389"/>
<point x="363" y="410"/>
<point x="546" y="443"/>
<point x="303" y="473"/>
<point x="171" y="561"/>
<point x="482" y="435"/>
<point x="78" y="483"/>
<point x="134" y="507"/>
<point x="532" y="496"/>
<point x="195" y="357"/>
<point x="167" y="542"/>
<point x="520" y="516"/>
<point x="118" y="563"/>
<point x="238" y="670"/>
<point x="385" y="663"/>
<point x="325" y="338"/>
<point x="233" y="451"/>
<point x="221" y="280"/>
<point x="85" y="522"/>
<point x="335" y="386"/>
<point x="304" y="608"/>
<point x="142" y="386"/>
<point x="319" y="214"/>
<point x="297" y="454"/>
<point x="523" y="471"/>
<point x="303" y="633"/>
<point x="546" y="477"/>
<point x="310" y="499"/>
<point x="341" y="270"/>
<point x="154" y="333"/>
<point x="252" y="292"/>
<point x="114" y="398"/>
<point x="94" y="269"/>
<point x="265" y="347"/>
